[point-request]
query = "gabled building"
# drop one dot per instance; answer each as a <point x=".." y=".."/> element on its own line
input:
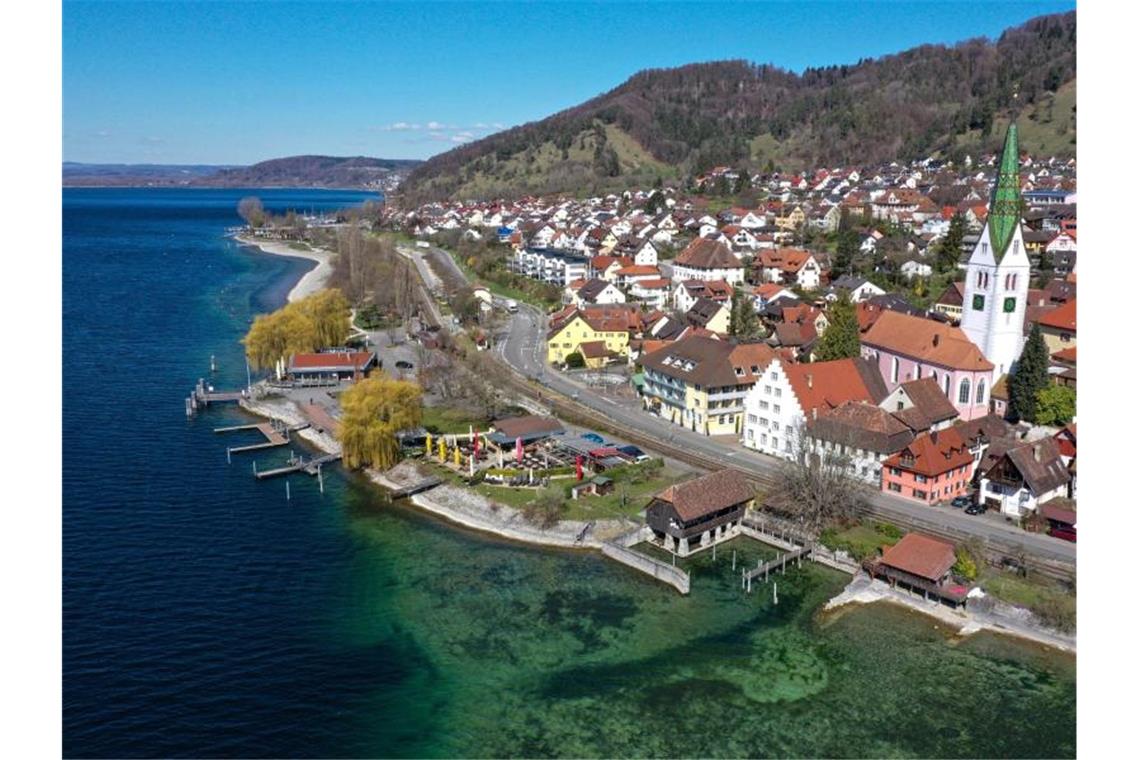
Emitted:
<point x="788" y="266"/>
<point x="909" y="348"/>
<point x="789" y="395"/>
<point x="935" y="467"/>
<point x="710" y="315"/>
<point x="613" y="326"/>
<point x="594" y="292"/>
<point x="688" y="516"/>
<point x="705" y="259"/>
<point x="1025" y="477"/>
<point x="700" y="383"/>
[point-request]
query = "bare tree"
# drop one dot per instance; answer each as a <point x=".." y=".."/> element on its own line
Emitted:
<point x="818" y="486"/>
<point x="251" y="210"/>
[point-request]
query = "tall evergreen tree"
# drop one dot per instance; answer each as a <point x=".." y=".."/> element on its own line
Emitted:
<point x="1030" y="376"/>
<point x="743" y="323"/>
<point x="841" y="338"/>
<point x="950" y="248"/>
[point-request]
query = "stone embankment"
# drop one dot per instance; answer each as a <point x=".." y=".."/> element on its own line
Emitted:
<point x="1005" y="619"/>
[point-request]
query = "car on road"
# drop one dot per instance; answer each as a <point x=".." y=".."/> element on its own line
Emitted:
<point x="401" y="364"/>
<point x="512" y="306"/>
<point x="1065" y="534"/>
<point x="960" y="502"/>
<point x="976" y="509"/>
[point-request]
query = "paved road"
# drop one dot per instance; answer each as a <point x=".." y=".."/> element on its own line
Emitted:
<point x="523" y="346"/>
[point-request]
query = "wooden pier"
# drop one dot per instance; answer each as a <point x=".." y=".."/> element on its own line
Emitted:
<point x="423" y="485"/>
<point x="276" y="434"/>
<point x="779" y="563"/>
<point x="202" y="396"/>
<point x="299" y="464"/>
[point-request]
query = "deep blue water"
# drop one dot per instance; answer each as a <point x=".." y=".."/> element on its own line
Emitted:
<point x="205" y="615"/>
<point x="188" y="589"/>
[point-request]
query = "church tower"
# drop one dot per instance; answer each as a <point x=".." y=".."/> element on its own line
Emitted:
<point x="997" y="275"/>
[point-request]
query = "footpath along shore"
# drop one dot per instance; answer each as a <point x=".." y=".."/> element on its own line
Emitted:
<point x="313" y="280"/>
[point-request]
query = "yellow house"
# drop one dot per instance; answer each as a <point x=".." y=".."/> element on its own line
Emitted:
<point x="793" y="220"/>
<point x="1059" y="326"/>
<point x="700" y="383"/>
<point x="609" y="325"/>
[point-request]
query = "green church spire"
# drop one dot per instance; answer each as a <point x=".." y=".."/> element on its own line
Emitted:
<point x="1005" y="206"/>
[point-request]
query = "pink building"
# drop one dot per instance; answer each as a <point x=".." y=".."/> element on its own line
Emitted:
<point x="909" y="348"/>
<point x="933" y="467"/>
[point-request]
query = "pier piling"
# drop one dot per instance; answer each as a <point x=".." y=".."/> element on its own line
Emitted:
<point x="287" y="495"/>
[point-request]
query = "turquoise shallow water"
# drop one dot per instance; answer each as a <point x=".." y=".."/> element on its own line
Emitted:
<point x="205" y="615"/>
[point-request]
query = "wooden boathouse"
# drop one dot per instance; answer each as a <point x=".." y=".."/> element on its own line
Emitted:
<point x="921" y="564"/>
<point x="689" y="516"/>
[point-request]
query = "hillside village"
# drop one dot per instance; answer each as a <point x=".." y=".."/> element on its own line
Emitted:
<point x="877" y="312"/>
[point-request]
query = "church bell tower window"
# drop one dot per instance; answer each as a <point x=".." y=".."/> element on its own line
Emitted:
<point x="979" y="302"/>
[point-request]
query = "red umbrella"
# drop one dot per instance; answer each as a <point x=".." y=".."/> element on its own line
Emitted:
<point x="578" y="467"/>
<point x="518" y="450"/>
<point x="476" y="445"/>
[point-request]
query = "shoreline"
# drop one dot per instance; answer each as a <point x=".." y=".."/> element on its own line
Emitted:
<point x="473" y="511"/>
<point x="310" y="282"/>
<point x="865" y="591"/>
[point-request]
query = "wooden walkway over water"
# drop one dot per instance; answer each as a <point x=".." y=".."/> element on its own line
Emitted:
<point x="202" y="396"/>
<point x="276" y="434"/>
<point x="780" y="563"/>
<point x="299" y="464"/>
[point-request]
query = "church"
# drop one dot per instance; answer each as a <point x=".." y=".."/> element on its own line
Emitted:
<point x="997" y="275"/>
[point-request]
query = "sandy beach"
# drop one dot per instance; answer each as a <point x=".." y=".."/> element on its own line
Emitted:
<point x="313" y="280"/>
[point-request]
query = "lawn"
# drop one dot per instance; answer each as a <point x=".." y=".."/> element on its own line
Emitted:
<point x="862" y="539"/>
<point x="621" y="502"/>
<point x="446" y="419"/>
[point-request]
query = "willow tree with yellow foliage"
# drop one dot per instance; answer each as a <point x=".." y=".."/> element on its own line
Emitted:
<point x="317" y="321"/>
<point x="374" y="410"/>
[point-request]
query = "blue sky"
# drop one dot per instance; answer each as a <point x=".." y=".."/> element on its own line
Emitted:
<point x="166" y="82"/>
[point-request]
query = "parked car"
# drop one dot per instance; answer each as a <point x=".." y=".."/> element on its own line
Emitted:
<point x="593" y="437"/>
<point x="976" y="509"/>
<point x="401" y="364"/>
<point x="960" y="502"/>
<point x="1065" y="534"/>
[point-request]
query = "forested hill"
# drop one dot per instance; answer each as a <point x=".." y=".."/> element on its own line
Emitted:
<point x="933" y="99"/>
<point x="312" y="171"/>
<point x="294" y="171"/>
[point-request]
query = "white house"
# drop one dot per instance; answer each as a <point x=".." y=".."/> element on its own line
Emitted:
<point x="705" y="259"/>
<point x="787" y="394"/>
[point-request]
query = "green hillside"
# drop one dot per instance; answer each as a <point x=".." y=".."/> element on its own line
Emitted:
<point x="676" y="123"/>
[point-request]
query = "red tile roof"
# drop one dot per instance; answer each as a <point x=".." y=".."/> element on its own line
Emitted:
<point x="926" y="340"/>
<point x="344" y="360"/>
<point x="1064" y="317"/>
<point x="707" y="494"/>
<point x="921" y="555"/>
<point x="933" y="454"/>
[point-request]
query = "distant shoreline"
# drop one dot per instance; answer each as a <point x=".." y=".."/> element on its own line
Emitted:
<point x="310" y="282"/>
<point x="140" y="186"/>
